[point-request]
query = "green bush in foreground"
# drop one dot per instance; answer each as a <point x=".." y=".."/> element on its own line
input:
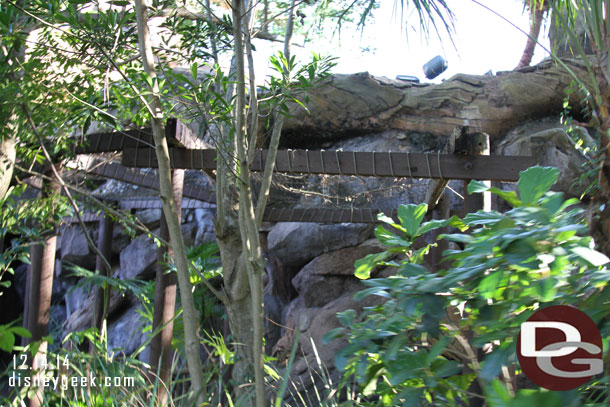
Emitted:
<point x="443" y="338"/>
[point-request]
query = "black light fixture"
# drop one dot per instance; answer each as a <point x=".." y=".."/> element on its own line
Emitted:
<point x="435" y="67"/>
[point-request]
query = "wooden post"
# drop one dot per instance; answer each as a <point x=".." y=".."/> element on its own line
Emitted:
<point x="165" y="303"/>
<point x="39" y="289"/>
<point x="474" y="144"/>
<point x="440" y="212"/>
<point x="102" y="294"/>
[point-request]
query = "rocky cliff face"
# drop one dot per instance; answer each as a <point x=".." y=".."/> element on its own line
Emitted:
<point x="310" y="266"/>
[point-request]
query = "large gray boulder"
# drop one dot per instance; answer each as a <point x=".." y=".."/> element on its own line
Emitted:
<point x="138" y="258"/>
<point x="330" y="275"/>
<point x="74" y="247"/>
<point x="552" y="146"/>
<point x="294" y="244"/>
<point x="205" y="226"/>
<point x="125" y="333"/>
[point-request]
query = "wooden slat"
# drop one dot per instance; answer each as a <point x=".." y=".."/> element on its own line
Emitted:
<point x="133" y="176"/>
<point x="379" y="164"/>
<point x="155" y="203"/>
<point x="137" y="203"/>
<point x="320" y="215"/>
<point x="116" y="141"/>
<point x="317" y="215"/>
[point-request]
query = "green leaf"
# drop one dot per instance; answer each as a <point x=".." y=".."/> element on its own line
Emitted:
<point x="497" y="394"/>
<point x="535" y="181"/>
<point x="7" y="339"/>
<point x="453" y="221"/>
<point x="509" y="196"/>
<point x="410" y="217"/>
<point x="489" y="284"/>
<point x="458" y="238"/>
<point x="346" y="317"/>
<point x="538" y="397"/>
<point x="477" y="187"/>
<point x="363" y="267"/>
<point x="546" y="289"/>
<point x="382" y="217"/>
<point x="520" y="252"/>
<point x="493" y="362"/>
<point x="483" y="218"/>
<point x="17" y="330"/>
<point x="389" y="239"/>
<point x="591" y="256"/>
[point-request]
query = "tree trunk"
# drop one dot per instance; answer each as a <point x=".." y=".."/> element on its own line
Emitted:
<point x="190" y="317"/>
<point x="165" y="304"/>
<point x="252" y="259"/>
<point x="8" y="153"/>
<point x="350" y="105"/>
<point x="537" y="15"/>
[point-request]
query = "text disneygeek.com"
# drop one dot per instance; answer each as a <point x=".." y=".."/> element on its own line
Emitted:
<point x="66" y="382"/>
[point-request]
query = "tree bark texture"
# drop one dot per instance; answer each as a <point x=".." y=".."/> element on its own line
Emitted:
<point x="190" y="317"/>
<point x="362" y="104"/>
<point x="251" y="251"/>
<point x="537" y="15"/>
<point x="8" y="154"/>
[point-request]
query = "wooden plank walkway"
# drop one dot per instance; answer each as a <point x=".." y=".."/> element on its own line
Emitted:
<point x="376" y="164"/>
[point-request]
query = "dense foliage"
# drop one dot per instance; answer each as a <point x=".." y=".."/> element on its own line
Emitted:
<point x="439" y="338"/>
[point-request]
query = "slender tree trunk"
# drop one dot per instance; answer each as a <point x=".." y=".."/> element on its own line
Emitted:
<point x="237" y="227"/>
<point x="289" y="30"/>
<point x="537" y="15"/>
<point x="252" y="255"/>
<point x="191" y="319"/>
<point x="8" y="153"/>
<point x="165" y="304"/>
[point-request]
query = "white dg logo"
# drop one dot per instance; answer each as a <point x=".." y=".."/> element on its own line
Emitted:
<point x="572" y="342"/>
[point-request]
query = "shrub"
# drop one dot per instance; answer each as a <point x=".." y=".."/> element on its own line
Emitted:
<point x="444" y="337"/>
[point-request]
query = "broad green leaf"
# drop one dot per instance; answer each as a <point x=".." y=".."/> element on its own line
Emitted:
<point x="489" y="284"/>
<point x="497" y="395"/>
<point x="390" y="239"/>
<point x="538" y="397"/>
<point x="546" y="289"/>
<point x="509" y="196"/>
<point x="7" y="339"/>
<point x="477" y="187"/>
<point x="591" y="256"/>
<point x="535" y="181"/>
<point x="520" y="252"/>
<point x="363" y="267"/>
<point x="409" y="269"/>
<point x="194" y="71"/>
<point x="412" y="396"/>
<point x="17" y="330"/>
<point x="444" y="368"/>
<point x="438" y="348"/>
<point x="410" y="217"/>
<point x="493" y="362"/>
<point x="458" y="238"/>
<point x="453" y="221"/>
<point x="346" y="317"/>
<point x="483" y="218"/>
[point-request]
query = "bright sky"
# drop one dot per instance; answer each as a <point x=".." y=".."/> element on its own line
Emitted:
<point x="483" y="41"/>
